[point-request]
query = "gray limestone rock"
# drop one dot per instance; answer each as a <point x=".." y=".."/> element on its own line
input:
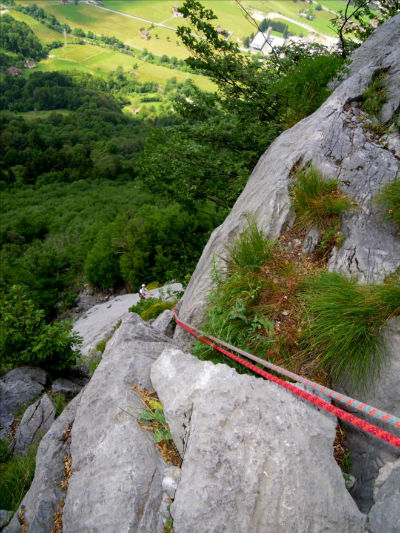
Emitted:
<point x="116" y="483"/>
<point x="45" y="494"/>
<point x="369" y="454"/>
<point x="35" y="423"/>
<point x="18" y="387"/>
<point x="65" y="386"/>
<point x="165" y="323"/>
<point x="4" y="517"/>
<point x="255" y="458"/>
<point x="339" y="147"/>
<point x="311" y="240"/>
<point x="172" y="475"/>
<point x="384" y="516"/>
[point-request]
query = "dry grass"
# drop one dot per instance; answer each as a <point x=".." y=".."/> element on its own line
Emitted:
<point x="156" y="424"/>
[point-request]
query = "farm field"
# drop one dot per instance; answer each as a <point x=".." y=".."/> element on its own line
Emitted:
<point x="289" y="8"/>
<point x="97" y="60"/>
<point x="45" y="34"/>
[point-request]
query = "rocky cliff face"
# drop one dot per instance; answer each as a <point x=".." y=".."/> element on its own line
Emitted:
<point x="335" y="140"/>
<point x="255" y="459"/>
<point x="338" y="143"/>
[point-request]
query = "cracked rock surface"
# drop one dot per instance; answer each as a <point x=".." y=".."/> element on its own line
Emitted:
<point x="116" y="482"/>
<point x="256" y="459"/>
<point x="335" y="140"/>
<point x="35" y="423"/>
<point x="45" y="494"/>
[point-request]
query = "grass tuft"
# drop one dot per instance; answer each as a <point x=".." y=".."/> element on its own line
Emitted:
<point x="16" y="476"/>
<point x="343" y="323"/>
<point x="317" y="201"/>
<point x="251" y="250"/>
<point x="151" y="308"/>
<point x="389" y="200"/>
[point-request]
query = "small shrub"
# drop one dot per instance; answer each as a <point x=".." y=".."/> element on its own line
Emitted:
<point x="389" y="199"/>
<point x="150" y="308"/>
<point x="15" y="479"/>
<point x="153" y="419"/>
<point x="169" y="526"/>
<point x="153" y="285"/>
<point x="142" y="305"/>
<point x="26" y="339"/>
<point x="317" y="201"/>
<point x="343" y="322"/>
<point x="156" y="309"/>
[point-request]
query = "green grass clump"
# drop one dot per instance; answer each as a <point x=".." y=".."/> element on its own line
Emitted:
<point x="251" y="250"/>
<point x="93" y="364"/>
<point x="389" y="199"/>
<point x="374" y="96"/>
<point x="233" y="314"/>
<point x="5" y="452"/>
<point x="156" y="309"/>
<point x="16" y="476"/>
<point x="316" y="200"/>
<point x="101" y="346"/>
<point x="60" y="401"/>
<point x="343" y="324"/>
<point x="151" y="307"/>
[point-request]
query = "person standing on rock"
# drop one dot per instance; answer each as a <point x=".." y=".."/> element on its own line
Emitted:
<point x="143" y="292"/>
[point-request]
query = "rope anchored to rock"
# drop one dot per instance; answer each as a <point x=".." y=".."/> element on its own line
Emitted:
<point x="346" y="400"/>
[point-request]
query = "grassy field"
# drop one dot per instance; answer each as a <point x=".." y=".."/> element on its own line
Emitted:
<point x="45" y="34"/>
<point x="290" y="9"/>
<point x="97" y="60"/>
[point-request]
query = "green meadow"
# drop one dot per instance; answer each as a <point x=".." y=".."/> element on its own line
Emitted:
<point x="45" y="34"/>
<point x="289" y="8"/>
<point x="98" y="60"/>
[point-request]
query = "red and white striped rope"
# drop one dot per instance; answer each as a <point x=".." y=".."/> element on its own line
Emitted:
<point x="343" y="415"/>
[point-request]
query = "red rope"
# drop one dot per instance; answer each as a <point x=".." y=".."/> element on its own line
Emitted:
<point x="343" y="415"/>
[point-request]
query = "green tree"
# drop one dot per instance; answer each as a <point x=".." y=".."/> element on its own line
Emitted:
<point x="360" y="18"/>
<point x="26" y="339"/>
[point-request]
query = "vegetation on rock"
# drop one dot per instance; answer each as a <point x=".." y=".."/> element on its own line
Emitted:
<point x="289" y="310"/>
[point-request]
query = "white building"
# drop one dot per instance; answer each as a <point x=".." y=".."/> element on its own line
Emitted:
<point x="262" y="42"/>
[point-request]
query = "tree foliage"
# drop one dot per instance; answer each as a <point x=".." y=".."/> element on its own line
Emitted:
<point x="17" y="37"/>
<point x="211" y="153"/>
<point x="26" y="339"/>
<point x="359" y="19"/>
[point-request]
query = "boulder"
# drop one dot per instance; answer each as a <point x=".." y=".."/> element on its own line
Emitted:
<point x="4" y="517"/>
<point x="66" y="386"/>
<point x="45" y="494"/>
<point x="335" y="140"/>
<point x="35" y="423"/>
<point x="165" y="323"/>
<point x="116" y="482"/>
<point x="384" y="516"/>
<point x="255" y="459"/>
<point x="368" y="454"/>
<point x="19" y="387"/>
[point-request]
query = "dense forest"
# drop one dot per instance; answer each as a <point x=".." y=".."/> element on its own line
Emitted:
<point x="93" y="194"/>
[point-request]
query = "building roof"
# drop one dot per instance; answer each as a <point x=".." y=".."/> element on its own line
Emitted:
<point x="261" y="39"/>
